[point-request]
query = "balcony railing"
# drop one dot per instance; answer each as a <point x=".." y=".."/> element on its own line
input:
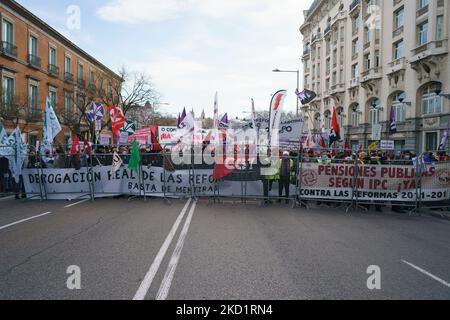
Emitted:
<point x="92" y="87"/>
<point x="372" y="73"/>
<point x="34" y="61"/>
<point x="354" y="4"/>
<point x="68" y="77"/>
<point x="396" y="65"/>
<point x="34" y="114"/>
<point x="422" y="11"/>
<point x="53" y="70"/>
<point x="432" y="48"/>
<point x="81" y="83"/>
<point x="9" y="49"/>
<point x="354" y="82"/>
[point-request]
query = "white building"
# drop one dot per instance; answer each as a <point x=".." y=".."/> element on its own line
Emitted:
<point x="366" y="56"/>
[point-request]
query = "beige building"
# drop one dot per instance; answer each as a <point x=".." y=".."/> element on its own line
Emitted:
<point x="365" y="57"/>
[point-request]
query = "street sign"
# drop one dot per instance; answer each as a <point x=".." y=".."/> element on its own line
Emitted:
<point x="387" y="145"/>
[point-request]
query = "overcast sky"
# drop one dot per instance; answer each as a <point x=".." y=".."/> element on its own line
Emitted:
<point x="192" y="48"/>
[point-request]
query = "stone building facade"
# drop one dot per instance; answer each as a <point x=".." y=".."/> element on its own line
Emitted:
<point x="365" y="57"/>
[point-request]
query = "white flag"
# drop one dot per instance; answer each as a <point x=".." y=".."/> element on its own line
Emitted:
<point x="51" y="127"/>
<point x="6" y="144"/>
<point x="116" y="163"/>
<point x="20" y="153"/>
<point x="186" y="135"/>
<point x="276" y="110"/>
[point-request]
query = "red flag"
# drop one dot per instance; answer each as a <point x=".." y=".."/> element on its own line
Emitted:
<point x="335" y="134"/>
<point x="224" y="169"/>
<point x="322" y="143"/>
<point x="333" y="153"/>
<point x="155" y="143"/>
<point x="346" y="145"/>
<point x="87" y="146"/>
<point x="76" y="149"/>
<point x="117" y="119"/>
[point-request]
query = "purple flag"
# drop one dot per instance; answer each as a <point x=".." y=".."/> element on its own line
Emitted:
<point x="393" y="126"/>
<point x="224" y="123"/>
<point x="444" y="140"/>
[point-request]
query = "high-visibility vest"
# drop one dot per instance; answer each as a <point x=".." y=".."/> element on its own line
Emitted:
<point x="291" y="170"/>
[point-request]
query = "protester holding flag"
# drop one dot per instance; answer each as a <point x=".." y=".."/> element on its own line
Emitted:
<point x="335" y="133"/>
<point x="50" y="130"/>
<point x="135" y="158"/>
<point x="116" y="162"/>
<point x="76" y="152"/>
<point x="117" y="120"/>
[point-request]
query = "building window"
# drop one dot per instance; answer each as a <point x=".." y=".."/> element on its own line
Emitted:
<point x="398" y="50"/>
<point x="32" y="46"/>
<point x="375" y="112"/>
<point x="399" y="107"/>
<point x="422" y="33"/>
<point x="33" y="97"/>
<point x="368" y="35"/>
<point x="355" y="46"/>
<point x="367" y="62"/>
<point x="32" y="140"/>
<point x="317" y="124"/>
<point x="431" y="141"/>
<point x="67" y="65"/>
<point x="91" y="78"/>
<point x="327" y="120"/>
<point x="67" y="103"/>
<point x="52" y="96"/>
<point x="440" y="27"/>
<point x="355" y="71"/>
<point x="52" y="56"/>
<point x="355" y="116"/>
<point x="8" y="92"/>
<point x="431" y="102"/>
<point x="399" y="146"/>
<point x="399" y="18"/>
<point x="356" y="24"/>
<point x="80" y="72"/>
<point x="7" y="32"/>
<point x="423" y="3"/>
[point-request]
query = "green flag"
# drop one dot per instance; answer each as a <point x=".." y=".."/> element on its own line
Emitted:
<point x="135" y="158"/>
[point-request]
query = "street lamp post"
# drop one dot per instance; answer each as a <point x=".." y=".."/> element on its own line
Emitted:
<point x="298" y="81"/>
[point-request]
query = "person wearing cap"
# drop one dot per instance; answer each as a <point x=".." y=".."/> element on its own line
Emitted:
<point x="285" y="171"/>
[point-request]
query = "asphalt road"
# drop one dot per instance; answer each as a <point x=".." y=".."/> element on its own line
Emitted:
<point x="198" y="250"/>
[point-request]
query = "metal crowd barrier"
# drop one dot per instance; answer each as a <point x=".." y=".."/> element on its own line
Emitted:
<point x="9" y="186"/>
<point x="414" y="196"/>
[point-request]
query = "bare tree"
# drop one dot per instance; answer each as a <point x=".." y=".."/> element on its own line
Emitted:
<point x="135" y="92"/>
<point x="130" y="93"/>
<point x="17" y="112"/>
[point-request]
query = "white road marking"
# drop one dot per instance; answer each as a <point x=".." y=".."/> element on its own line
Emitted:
<point x="148" y="279"/>
<point x="427" y="273"/>
<point x="171" y="268"/>
<point x="24" y="220"/>
<point x="76" y="203"/>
